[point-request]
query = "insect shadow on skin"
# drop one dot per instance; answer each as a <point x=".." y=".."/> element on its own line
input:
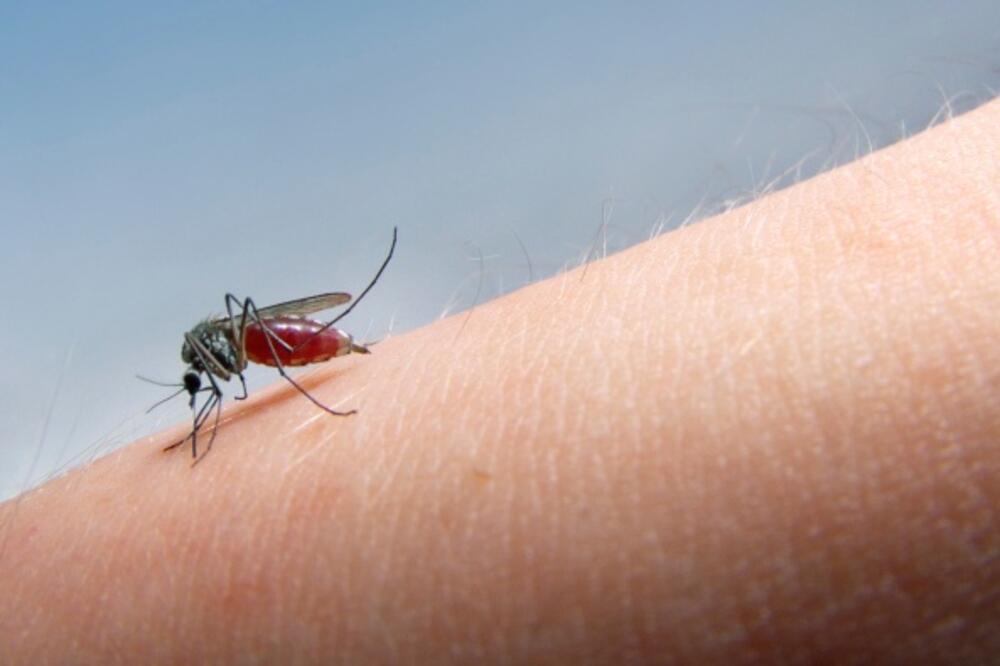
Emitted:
<point x="279" y="335"/>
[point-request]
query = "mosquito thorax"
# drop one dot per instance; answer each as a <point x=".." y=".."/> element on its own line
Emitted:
<point x="216" y="340"/>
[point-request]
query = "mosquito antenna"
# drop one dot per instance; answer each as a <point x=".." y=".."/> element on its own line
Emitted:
<point x="169" y="385"/>
<point x="168" y="398"/>
<point x="392" y="247"/>
<point x="159" y="383"/>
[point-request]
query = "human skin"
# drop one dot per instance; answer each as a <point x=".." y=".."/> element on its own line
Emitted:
<point x="771" y="435"/>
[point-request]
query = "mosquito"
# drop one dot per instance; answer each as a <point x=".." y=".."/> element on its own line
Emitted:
<point x="280" y="335"/>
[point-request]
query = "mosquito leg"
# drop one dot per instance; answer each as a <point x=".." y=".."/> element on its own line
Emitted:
<point x="237" y="337"/>
<point x="217" y="397"/>
<point x="385" y="262"/>
<point x="217" y="400"/>
<point x="230" y="299"/>
<point x="252" y="310"/>
<point x="238" y="334"/>
<point x="199" y="421"/>
<point x="243" y="383"/>
<point x="274" y="336"/>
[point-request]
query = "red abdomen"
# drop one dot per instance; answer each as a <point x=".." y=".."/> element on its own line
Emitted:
<point x="301" y="335"/>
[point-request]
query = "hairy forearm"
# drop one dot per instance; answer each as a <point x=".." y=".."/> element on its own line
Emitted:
<point x="770" y="433"/>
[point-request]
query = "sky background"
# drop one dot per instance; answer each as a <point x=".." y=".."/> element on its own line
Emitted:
<point x="155" y="156"/>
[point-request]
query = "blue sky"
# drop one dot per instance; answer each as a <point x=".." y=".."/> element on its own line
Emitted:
<point x="155" y="156"/>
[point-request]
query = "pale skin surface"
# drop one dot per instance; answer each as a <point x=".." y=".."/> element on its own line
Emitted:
<point x="773" y="434"/>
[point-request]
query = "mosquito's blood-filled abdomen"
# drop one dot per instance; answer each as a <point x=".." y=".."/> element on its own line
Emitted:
<point x="301" y="335"/>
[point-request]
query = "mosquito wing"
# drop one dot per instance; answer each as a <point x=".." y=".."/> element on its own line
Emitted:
<point x="306" y="306"/>
<point x="300" y="306"/>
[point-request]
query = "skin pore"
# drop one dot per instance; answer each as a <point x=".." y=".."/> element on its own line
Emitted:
<point x="769" y="435"/>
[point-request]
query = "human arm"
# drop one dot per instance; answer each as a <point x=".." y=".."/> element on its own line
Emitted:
<point x="772" y="433"/>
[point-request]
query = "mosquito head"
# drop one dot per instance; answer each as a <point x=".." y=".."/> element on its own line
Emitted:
<point x="192" y="381"/>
